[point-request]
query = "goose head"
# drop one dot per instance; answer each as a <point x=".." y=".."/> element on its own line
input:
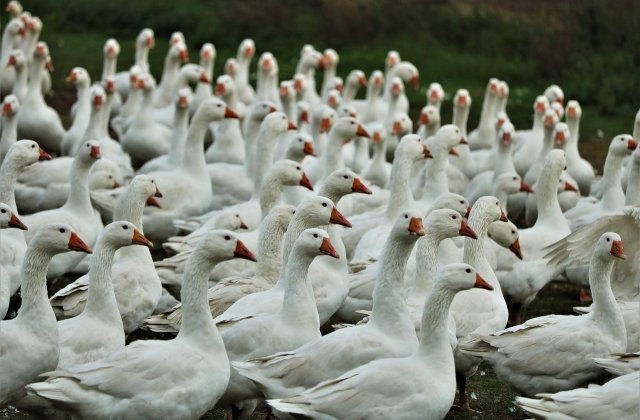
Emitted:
<point x="259" y="110"/>
<point x="15" y="28"/>
<point x="448" y="223"/>
<point x="506" y="133"/>
<point x="334" y="98"/>
<point x="304" y="112"/>
<point x="34" y="26"/>
<point x="102" y="180"/>
<point x="503" y="90"/>
<point x="213" y="109"/>
<point x="330" y="59"/>
<point x="356" y="79"/>
<point x="207" y="53"/>
<point x="111" y="48"/>
<point x="56" y="238"/>
<point x="501" y="119"/>
<point x="554" y="163"/>
<point x="429" y="116"/>
<point x="146" y="39"/>
<point x="222" y="245"/>
<point x="622" y="145"/>
<point x="178" y="53"/>
<point x="511" y="183"/>
<point x="109" y="85"/>
<point x="300" y="146"/>
<point x="540" y="105"/>
<point x="300" y="84"/>
<point x="408" y="226"/>
<point x="231" y="67"/>
<point x="277" y="122"/>
<point x="412" y="147"/>
<point x="79" y="77"/>
<point x="26" y="152"/>
<point x="17" y="59"/>
<point x="488" y="209"/>
<point x="408" y="73"/>
<point x="609" y="245"/>
<point x="393" y="58"/>
<point x="144" y="187"/>
<point x="346" y="110"/>
<point x="347" y="128"/>
<point x="507" y="236"/>
<point x="377" y="131"/>
<point x="14" y="8"/>
<point x="462" y="99"/>
<point x="574" y="111"/>
<point x="447" y="137"/>
<point x="194" y="73"/>
<point x="554" y="94"/>
<point x="41" y="53"/>
<point x="435" y="93"/>
<point x="560" y="134"/>
<point x="183" y="98"/>
<point x="452" y="201"/>
<point x="336" y="83"/>
<point x="401" y="125"/>
<point x="565" y="183"/>
<point x="146" y="83"/>
<point x="323" y="116"/>
<point x="318" y="211"/>
<point x="458" y="276"/>
<point x="89" y="152"/>
<point x="8" y="219"/>
<point x="134" y="73"/>
<point x="550" y="120"/>
<point x="225" y="86"/>
<point x="287" y="91"/>
<point x="10" y="105"/>
<point x="267" y="64"/>
<point x="344" y="181"/>
<point x="396" y="86"/>
<point x="123" y="233"/>
<point x="559" y="110"/>
<point x="376" y="80"/>
<point x="230" y="220"/>
<point x="176" y="37"/>
<point x="290" y="173"/>
<point x="315" y="242"/>
<point x="492" y="87"/>
<point x="311" y="59"/>
<point x="282" y="214"/>
<point x="97" y="95"/>
<point x="246" y="49"/>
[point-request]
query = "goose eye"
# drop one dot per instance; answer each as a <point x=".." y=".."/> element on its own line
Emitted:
<point x="125" y="227"/>
<point x="513" y="232"/>
<point x="62" y="230"/>
<point x="87" y="144"/>
<point x="461" y="202"/>
<point x="315" y="235"/>
<point x="352" y="123"/>
<point x="294" y="212"/>
<point x="565" y="168"/>
<point x="297" y="167"/>
<point x="406" y="216"/>
<point x="468" y="270"/>
<point x="346" y="177"/>
<point x="324" y="204"/>
<point x="300" y="140"/>
<point x="33" y="146"/>
<point x="219" y="105"/>
<point x="607" y="239"/>
<point x="237" y="215"/>
<point x="454" y="217"/>
<point x="227" y="237"/>
<point x="110" y="176"/>
<point x="3" y="211"/>
<point x="497" y="204"/>
<point x="515" y="179"/>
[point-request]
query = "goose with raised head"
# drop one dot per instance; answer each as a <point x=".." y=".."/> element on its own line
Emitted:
<point x="309" y="61"/>
<point x="76" y="211"/>
<point x="144" y="42"/>
<point x="176" y="54"/>
<point x="37" y="120"/>
<point x="355" y="80"/>
<point x="267" y="83"/>
<point x="229" y="290"/>
<point x="357" y="393"/>
<point x="472" y="313"/>
<point x="20" y="155"/>
<point x="551" y="136"/>
<point x="189" y="74"/>
<point x="79" y="77"/>
<point x="528" y="143"/>
<point x="228" y="146"/>
<point x="18" y="61"/>
<point x="519" y="355"/>
<point x="135" y="282"/>
<point x="367" y="109"/>
<point x="111" y="51"/>
<point x="30" y="341"/>
<point x="389" y="333"/>
<point x="179" y="131"/>
<point x="435" y="95"/>
<point x="294" y="324"/>
<point x="188" y="187"/>
<point x="408" y="73"/>
<point x="579" y="168"/>
<point x="8" y="219"/>
<point x="204" y="90"/>
<point x="145" y="138"/>
<point x="120" y="385"/>
<point x="246" y="51"/>
<point x="10" y="108"/>
<point x="483" y="136"/>
<point x="554" y="93"/>
<point x="12" y="32"/>
<point x="429" y="122"/>
<point x="330" y="60"/>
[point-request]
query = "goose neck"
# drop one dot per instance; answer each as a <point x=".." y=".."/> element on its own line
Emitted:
<point x="389" y="309"/>
<point x="434" y="334"/>
<point x="266" y="143"/>
<point x="504" y="161"/>
<point x="460" y="118"/>
<point x="130" y="207"/>
<point x="9" y="172"/>
<point x="9" y="136"/>
<point x="605" y="308"/>
<point x="178" y="136"/>
<point x="488" y="111"/>
<point x="270" y="251"/>
<point x="299" y="302"/>
<point x="101" y="301"/>
<point x="612" y="172"/>
<point x="426" y="262"/>
<point x="35" y="302"/>
<point x="79" y="198"/>
<point x="474" y="249"/>
<point x="270" y="192"/>
<point x="571" y="145"/>
<point x="400" y="185"/>
<point x="436" y="179"/>
<point x="549" y="211"/>
<point x="349" y="93"/>
<point x="108" y="67"/>
<point x="36" y="72"/>
<point x="104" y="117"/>
<point x="94" y="126"/>
<point x="298" y="223"/>
<point x="193" y="160"/>
<point x="379" y="152"/>
<point x="142" y="57"/>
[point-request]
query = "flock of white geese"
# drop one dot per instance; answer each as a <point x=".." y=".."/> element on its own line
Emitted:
<point x="322" y="258"/>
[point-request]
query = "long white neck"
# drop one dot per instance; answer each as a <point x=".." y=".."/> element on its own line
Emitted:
<point x="94" y="127"/>
<point x="36" y="73"/>
<point x="389" y="311"/>
<point x="270" y="192"/>
<point x="193" y="160"/>
<point x="129" y="207"/>
<point x="434" y="333"/>
<point x="332" y="159"/>
<point x="613" y="196"/>
<point x="633" y="183"/>
<point x="361" y="154"/>
<point x="436" y="179"/>
<point x="108" y="67"/>
<point x="605" y="308"/>
<point x="349" y="93"/>
<point x="101" y="301"/>
<point x="426" y="262"/>
<point x="132" y="105"/>
<point x="9" y="135"/>
<point x="79" y="198"/>
<point x="571" y="145"/>
<point x="169" y="75"/>
<point x="84" y="107"/>
<point x="504" y="161"/>
<point x="142" y="57"/>
<point x="488" y="110"/>
<point x="270" y="250"/>
<point x="251" y="131"/>
<point x="22" y="82"/>
<point x="460" y="118"/>
<point x="266" y="143"/>
<point x="9" y="172"/>
<point x="299" y="303"/>
<point x="549" y="211"/>
<point x="474" y="253"/>
<point x="178" y="136"/>
<point x="399" y="182"/>
<point x="35" y="302"/>
<point x="298" y="223"/>
<point x="105" y="115"/>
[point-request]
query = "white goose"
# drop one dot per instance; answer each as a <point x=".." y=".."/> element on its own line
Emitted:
<point x="188" y="74"/>
<point x="389" y="333"/>
<point x="30" y="341"/>
<point x="246" y="51"/>
<point x="14" y="29"/>
<point x="519" y="355"/>
<point x="18" y="61"/>
<point x="204" y="90"/>
<point x="483" y="136"/>
<point x="21" y="154"/>
<point x="357" y="393"/>
<point x="111" y="51"/>
<point x="194" y="362"/>
<point x="144" y="42"/>
<point x="79" y="77"/>
<point x="528" y="143"/>
<point x="176" y="54"/>
<point x="76" y="211"/>
<point x="8" y="219"/>
<point x="579" y="169"/>
<point x="10" y="108"/>
<point x="135" y="281"/>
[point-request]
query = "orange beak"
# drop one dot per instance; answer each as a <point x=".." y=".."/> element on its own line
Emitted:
<point x="462" y="100"/>
<point x="115" y="184"/>
<point x="617" y="251"/>
<point x="540" y="108"/>
<point x="140" y="84"/>
<point x="560" y="101"/>
<point x="183" y="101"/>
<point x="338" y="219"/>
<point x="297" y="85"/>
<point x="453" y="152"/>
<point x="12" y="61"/>
<point x="571" y="112"/>
<point x="482" y="283"/>
<point x="569" y="187"/>
<point x="376" y="137"/>
<point x="415" y="82"/>
<point x="397" y="128"/>
<point x="77" y="244"/>
<point x="97" y="101"/>
<point x="325" y="125"/>
<point x="632" y="144"/>
<point x="140" y="239"/>
<point x="424" y="118"/>
<point x="152" y="202"/>
<point x="284" y="91"/>
<point x="506" y="138"/>
<point x="515" y="248"/>
<point x="14" y="222"/>
<point x="308" y="148"/>
<point x="524" y="187"/>
<point x="228" y="113"/>
<point x="291" y="126"/>
<point x="463" y="140"/>
<point x="426" y="152"/>
<point x="219" y="89"/>
<point x="559" y="137"/>
<point x="248" y="52"/>
<point x="243" y="225"/>
<point x="304" y="181"/>
<point x="548" y="121"/>
<point x="111" y="52"/>
<point x="361" y="132"/>
<point x="323" y="63"/>
<point x="72" y="77"/>
<point x="503" y="217"/>
<point x="415" y="226"/>
<point x="184" y="55"/>
<point x="327" y="248"/>
<point x="150" y="41"/>
<point x="304" y="116"/>
<point x="204" y="78"/>
<point x="7" y="108"/>
<point x="465" y="230"/>
<point x="468" y="213"/>
<point x="396" y="89"/>
<point x="243" y="252"/>
<point x="267" y="64"/>
<point x="157" y="193"/>
<point x="44" y="155"/>
<point x="362" y="81"/>
<point x="359" y="187"/>
<point x="95" y="152"/>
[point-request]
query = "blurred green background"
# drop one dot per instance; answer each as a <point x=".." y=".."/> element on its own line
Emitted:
<point x="589" y="47"/>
